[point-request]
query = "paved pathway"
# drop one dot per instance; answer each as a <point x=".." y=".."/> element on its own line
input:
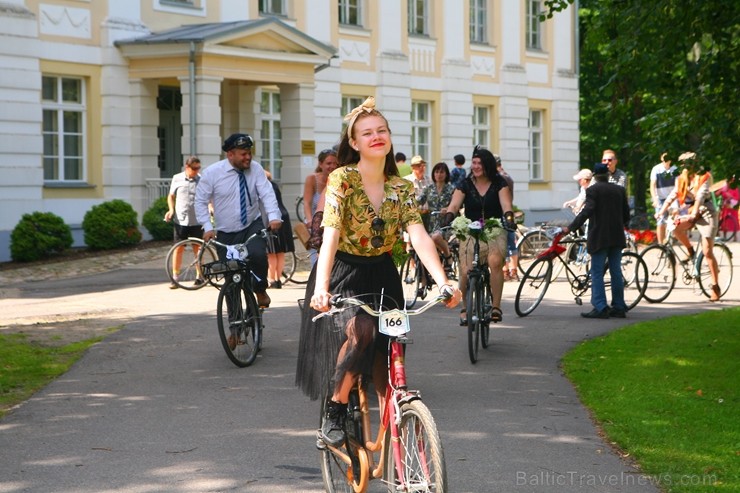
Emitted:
<point x="158" y="407"/>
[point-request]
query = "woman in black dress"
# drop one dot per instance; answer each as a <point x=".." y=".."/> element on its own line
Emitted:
<point x="281" y="242"/>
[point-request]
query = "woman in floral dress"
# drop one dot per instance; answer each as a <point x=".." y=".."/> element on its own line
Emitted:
<point x="435" y="198"/>
<point x="366" y="207"/>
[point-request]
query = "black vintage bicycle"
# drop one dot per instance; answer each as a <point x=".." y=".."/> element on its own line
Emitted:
<point x="238" y="316"/>
<point x="415" y="278"/>
<point x="540" y="275"/>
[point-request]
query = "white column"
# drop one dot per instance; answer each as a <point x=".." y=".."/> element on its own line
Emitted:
<point x="297" y="124"/>
<point x="511" y="24"/>
<point x="21" y="144"/>
<point x="207" y="118"/>
<point x="389" y="29"/>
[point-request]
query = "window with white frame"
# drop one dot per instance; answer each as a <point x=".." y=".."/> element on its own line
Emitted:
<point x="421" y="128"/>
<point x="536" y="144"/>
<point x="270" y="151"/>
<point x="350" y="12"/>
<point x="419" y="17"/>
<point x="274" y="7"/>
<point x="479" y="21"/>
<point x="348" y="104"/>
<point x="64" y="112"/>
<point x="534" y="25"/>
<point x="482" y="125"/>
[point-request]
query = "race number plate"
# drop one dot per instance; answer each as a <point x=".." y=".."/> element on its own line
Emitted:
<point x="394" y="323"/>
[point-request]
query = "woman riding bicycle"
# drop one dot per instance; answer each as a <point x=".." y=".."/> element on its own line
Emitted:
<point x="693" y="191"/>
<point x="435" y="198"/>
<point x="366" y="206"/>
<point x="484" y="194"/>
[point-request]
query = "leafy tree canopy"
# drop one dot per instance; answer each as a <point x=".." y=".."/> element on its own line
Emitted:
<point x="659" y="76"/>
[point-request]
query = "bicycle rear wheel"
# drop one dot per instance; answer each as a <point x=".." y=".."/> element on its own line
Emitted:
<point x="422" y="462"/>
<point x="532" y="243"/>
<point x="661" y="267"/>
<point x="474" y="312"/>
<point x="724" y="264"/>
<point x="533" y="286"/>
<point x="190" y="275"/>
<point x="634" y="277"/>
<point x="300" y="267"/>
<point x="411" y="280"/>
<point x="239" y="322"/>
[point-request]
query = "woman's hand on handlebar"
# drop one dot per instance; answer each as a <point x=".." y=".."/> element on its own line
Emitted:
<point x="454" y="295"/>
<point x="320" y="300"/>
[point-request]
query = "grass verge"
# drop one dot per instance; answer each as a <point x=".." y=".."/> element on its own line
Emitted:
<point x="26" y="367"/>
<point x="666" y="393"/>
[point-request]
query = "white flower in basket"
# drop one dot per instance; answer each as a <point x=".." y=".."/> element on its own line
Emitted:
<point x="462" y="228"/>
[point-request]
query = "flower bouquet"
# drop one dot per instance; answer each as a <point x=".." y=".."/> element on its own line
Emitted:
<point x="486" y="230"/>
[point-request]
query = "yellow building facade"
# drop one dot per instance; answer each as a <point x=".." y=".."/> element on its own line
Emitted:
<point x="104" y="99"/>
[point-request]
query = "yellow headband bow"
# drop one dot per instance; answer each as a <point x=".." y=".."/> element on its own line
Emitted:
<point x="368" y="106"/>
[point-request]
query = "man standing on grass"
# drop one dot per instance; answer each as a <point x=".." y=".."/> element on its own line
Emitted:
<point x="607" y="210"/>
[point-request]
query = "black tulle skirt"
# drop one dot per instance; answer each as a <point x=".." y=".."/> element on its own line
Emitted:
<point x="320" y="341"/>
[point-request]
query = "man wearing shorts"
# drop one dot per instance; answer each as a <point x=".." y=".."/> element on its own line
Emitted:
<point x="181" y="210"/>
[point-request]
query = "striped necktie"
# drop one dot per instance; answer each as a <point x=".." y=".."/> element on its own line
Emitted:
<point x="243" y="196"/>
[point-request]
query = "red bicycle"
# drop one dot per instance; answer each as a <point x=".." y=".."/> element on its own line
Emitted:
<point x="410" y="455"/>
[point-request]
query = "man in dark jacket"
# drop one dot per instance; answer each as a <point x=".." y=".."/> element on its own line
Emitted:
<point x="607" y="210"/>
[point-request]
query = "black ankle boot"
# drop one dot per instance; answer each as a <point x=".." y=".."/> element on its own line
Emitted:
<point x="332" y="429"/>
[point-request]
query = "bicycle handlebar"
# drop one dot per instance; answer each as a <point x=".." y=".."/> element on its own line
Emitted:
<point x="340" y="303"/>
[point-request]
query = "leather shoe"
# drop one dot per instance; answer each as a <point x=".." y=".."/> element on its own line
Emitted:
<point x="596" y="313"/>
<point x="617" y="313"/>
<point x="263" y="300"/>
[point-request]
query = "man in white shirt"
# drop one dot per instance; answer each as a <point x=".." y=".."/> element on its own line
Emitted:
<point x="239" y="190"/>
<point x="418" y="176"/>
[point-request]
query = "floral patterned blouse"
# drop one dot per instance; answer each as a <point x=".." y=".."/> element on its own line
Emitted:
<point x="348" y="209"/>
<point x="435" y="200"/>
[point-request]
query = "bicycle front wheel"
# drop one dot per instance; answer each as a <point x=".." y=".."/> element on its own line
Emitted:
<point x="299" y="214"/>
<point x="474" y="312"/>
<point x="239" y="323"/>
<point x="723" y="255"/>
<point x="411" y="280"/>
<point x="419" y="462"/>
<point x="184" y="261"/>
<point x="485" y="326"/>
<point x="532" y="287"/>
<point x="661" y="269"/>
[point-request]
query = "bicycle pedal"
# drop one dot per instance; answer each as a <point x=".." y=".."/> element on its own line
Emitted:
<point x="320" y="444"/>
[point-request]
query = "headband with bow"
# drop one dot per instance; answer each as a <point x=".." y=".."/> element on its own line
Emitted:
<point x="368" y="106"/>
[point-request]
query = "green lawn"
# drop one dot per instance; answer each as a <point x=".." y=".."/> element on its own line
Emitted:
<point x="667" y="392"/>
<point x="27" y="367"/>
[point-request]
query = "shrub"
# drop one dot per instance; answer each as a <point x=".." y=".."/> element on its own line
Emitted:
<point x="153" y="220"/>
<point x="111" y="224"/>
<point x="39" y="235"/>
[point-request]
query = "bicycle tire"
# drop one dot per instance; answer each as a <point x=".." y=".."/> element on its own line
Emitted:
<point x="485" y="327"/>
<point x="301" y="264"/>
<point x="474" y="312"/>
<point x="533" y="286"/>
<point x="724" y="263"/>
<point x="529" y="246"/>
<point x="634" y="276"/>
<point x="194" y="255"/>
<point x="410" y="280"/>
<point x="422" y="455"/>
<point x="299" y="209"/>
<point x="239" y="317"/>
<point x="661" y="266"/>
<point x="338" y="476"/>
